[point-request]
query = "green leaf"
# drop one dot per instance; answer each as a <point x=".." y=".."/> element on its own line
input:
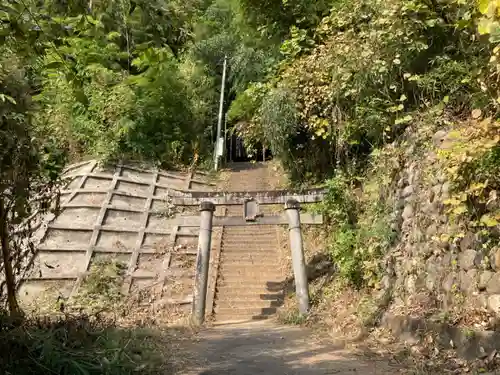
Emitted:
<point x="461" y="209"/>
<point x="483" y="6"/>
<point x="488" y="221"/>
<point x="403" y="120"/>
<point x="113" y="35"/>
<point x="484" y="26"/>
<point x="8" y="98"/>
<point x="54" y="65"/>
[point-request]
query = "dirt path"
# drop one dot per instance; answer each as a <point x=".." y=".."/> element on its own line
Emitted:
<point x="271" y="349"/>
<point x="253" y="177"/>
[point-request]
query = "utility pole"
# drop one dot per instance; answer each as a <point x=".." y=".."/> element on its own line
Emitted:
<point x="219" y="120"/>
<point x="224" y="149"/>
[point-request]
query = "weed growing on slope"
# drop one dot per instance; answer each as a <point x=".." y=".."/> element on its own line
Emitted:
<point x="79" y="346"/>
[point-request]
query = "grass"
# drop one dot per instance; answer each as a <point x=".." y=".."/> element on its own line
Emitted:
<point x="80" y="346"/>
<point x="96" y="333"/>
<point x="292" y="317"/>
<point x="101" y="288"/>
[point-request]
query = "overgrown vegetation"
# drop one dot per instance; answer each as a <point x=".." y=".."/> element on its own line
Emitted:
<point x="473" y="166"/>
<point x="80" y="346"/>
<point x="360" y="75"/>
<point x="357" y="80"/>
<point x="360" y="225"/>
<point x="101" y="288"/>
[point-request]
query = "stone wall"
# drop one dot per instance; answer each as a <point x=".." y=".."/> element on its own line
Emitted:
<point x="449" y="265"/>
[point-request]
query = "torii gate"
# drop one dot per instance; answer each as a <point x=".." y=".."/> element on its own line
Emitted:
<point x="251" y="216"/>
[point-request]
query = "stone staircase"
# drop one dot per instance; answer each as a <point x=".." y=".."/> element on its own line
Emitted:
<point x="249" y="286"/>
<point x="250" y="278"/>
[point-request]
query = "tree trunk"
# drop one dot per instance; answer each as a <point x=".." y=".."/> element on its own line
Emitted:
<point x="7" y="264"/>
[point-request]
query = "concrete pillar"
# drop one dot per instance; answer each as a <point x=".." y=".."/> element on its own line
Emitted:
<point x="202" y="262"/>
<point x="292" y="208"/>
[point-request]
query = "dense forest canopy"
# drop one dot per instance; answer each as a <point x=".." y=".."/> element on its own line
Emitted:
<point x="332" y="79"/>
<point x="140" y="79"/>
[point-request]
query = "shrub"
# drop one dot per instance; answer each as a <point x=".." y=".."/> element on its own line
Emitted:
<point x="360" y="229"/>
<point x="372" y="68"/>
<point x="78" y="346"/>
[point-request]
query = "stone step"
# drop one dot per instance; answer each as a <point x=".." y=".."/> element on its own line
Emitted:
<point x="253" y="245"/>
<point x="247" y="248"/>
<point x="249" y="236"/>
<point x="260" y="273"/>
<point x="227" y="288"/>
<point x="272" y="283"/>
<point x="250" y="304"/>
<point x="249" y="230"/>
<point x="226" y="240"/>
<point x="262" y="253"/>
<point x="230" y="258"/>
<point x="250" y="261"/>
<point x="270" y="272"/>
<point x="229" y="313"/>
<point x="249" y="277"/>
<point x="269" y="256"/>
<point x="241" y="244"/>
<point x="221" y="319"/>
<point x="267" y="283"/>
<point x="261" y="265"/>
<point x="259" y="296"/>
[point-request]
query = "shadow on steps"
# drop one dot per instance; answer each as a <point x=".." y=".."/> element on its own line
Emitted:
<point x="319" y="266"/>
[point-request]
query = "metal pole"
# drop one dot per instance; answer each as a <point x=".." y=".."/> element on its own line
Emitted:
<point x="292" y="208"/>
<point x="221" y="109"/>
<point x="202" y="262"/>
<point x="225" y="137"/>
